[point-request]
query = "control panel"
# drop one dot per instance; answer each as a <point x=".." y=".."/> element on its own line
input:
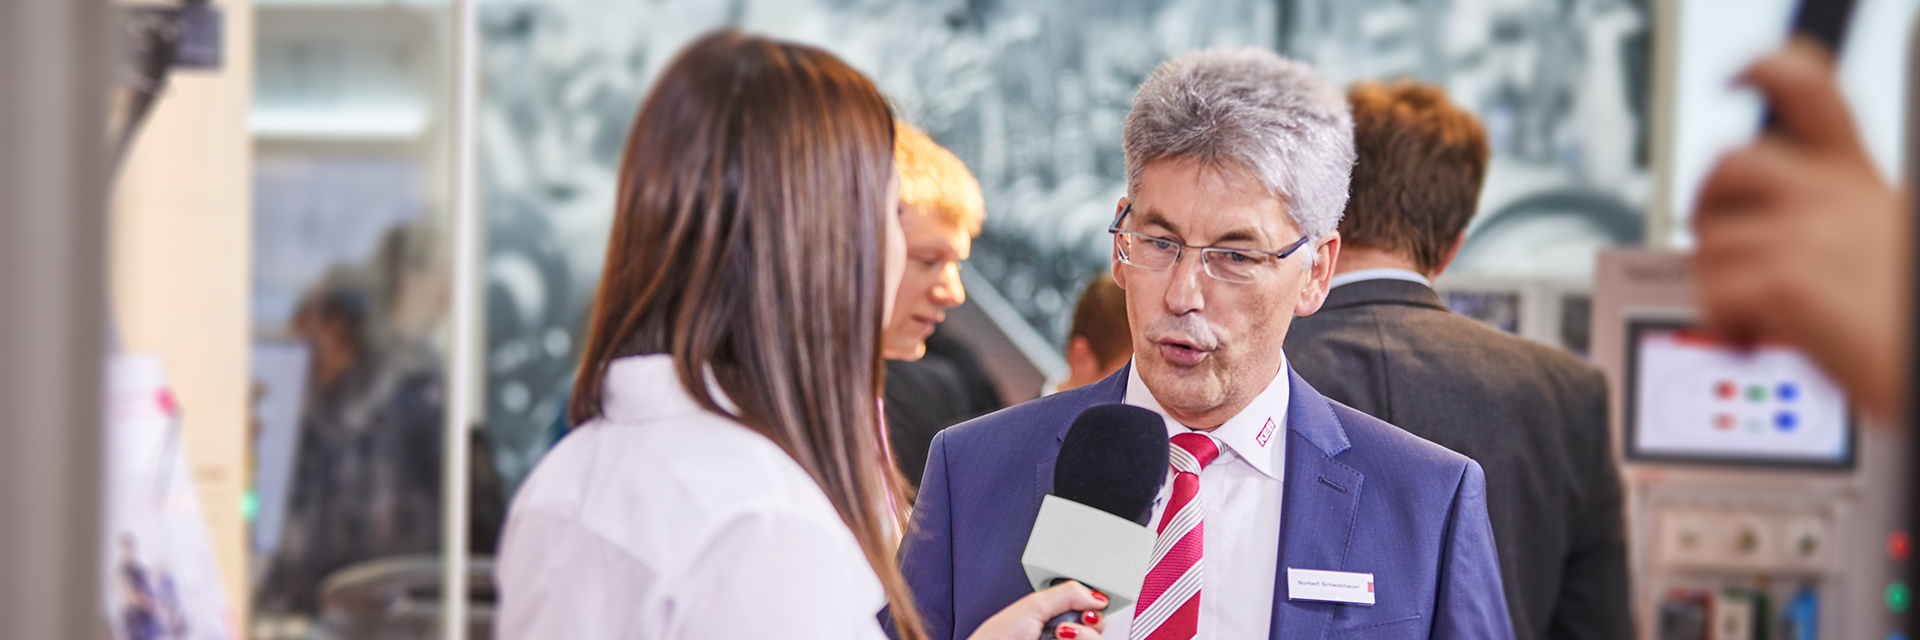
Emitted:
<point x="1774" y="530"/>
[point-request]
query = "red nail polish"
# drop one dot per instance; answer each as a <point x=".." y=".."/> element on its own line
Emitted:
<point x="1066" y="632"/>
<point x="1101" y="597"/>
<point x="1091" y="618"/>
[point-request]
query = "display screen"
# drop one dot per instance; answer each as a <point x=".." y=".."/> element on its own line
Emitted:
<point x="1691" y="397"/>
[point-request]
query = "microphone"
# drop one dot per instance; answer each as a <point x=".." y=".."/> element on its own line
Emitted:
<point x="1093" y="527"/>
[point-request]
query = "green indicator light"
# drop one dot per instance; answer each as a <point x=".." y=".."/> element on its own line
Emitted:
<point x="250" y="505"/>
<point x="1757" y="393"/>
<point x="1899" y="597"/>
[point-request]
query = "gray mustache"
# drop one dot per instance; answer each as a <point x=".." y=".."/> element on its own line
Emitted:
<point x="1189" y="327"/>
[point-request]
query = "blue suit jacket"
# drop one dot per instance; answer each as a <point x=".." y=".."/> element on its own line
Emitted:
<point x="1360" y="495"/>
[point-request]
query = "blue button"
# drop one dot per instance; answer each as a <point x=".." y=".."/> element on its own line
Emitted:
<point x="1786" y="420"/>
<point x="1896" y="636"/>
<point x="1787" y="392"/>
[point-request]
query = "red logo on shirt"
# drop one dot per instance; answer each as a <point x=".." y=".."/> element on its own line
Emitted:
<point x="1266" y="433"/>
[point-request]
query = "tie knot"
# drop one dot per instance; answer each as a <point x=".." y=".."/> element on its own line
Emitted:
<point x="1191" y="452"/>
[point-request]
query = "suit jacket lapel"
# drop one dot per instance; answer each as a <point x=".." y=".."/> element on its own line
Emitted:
<point x="1109" y="390"/>
<point x="1316" y="512"/>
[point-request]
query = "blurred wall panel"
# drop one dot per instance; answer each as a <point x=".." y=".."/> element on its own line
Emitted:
<point x="180" y="255"/>
<point x="1031" y="94"/>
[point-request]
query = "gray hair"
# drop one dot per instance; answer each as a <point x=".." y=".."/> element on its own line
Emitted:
<point x="1269" y="115"/>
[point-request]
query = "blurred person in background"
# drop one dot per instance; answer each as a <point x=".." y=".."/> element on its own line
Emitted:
<point x="1534" y="416"/>
<point x="1237" y="169"/>
<point x="1799" y="238"/>
<point x="726" y="477"/>
<point x="934" y="381"/>
<point x="1099" y="342"/>
<point x="367" y="469"/>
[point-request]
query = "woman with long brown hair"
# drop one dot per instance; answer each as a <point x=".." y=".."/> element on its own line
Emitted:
<point x="728" y="476"/>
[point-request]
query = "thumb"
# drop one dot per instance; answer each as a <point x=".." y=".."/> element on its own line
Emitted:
<point x="1802" y="87"/>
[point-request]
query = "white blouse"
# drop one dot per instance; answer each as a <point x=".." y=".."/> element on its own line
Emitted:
<point x="663" y="520"/>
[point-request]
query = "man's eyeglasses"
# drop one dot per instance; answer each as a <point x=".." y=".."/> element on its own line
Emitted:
<point x="1153" y="253"/>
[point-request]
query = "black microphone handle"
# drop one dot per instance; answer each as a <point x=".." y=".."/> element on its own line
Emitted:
<point x="1046" y="633"/>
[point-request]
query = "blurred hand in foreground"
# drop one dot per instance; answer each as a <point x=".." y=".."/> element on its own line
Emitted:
<point x="1800" y="239"/>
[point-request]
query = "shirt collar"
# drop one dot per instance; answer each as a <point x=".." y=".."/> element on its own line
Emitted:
<point x="1257" y="434"/>
<point x="1388" y="273"/>
<point x="644" y="386"/>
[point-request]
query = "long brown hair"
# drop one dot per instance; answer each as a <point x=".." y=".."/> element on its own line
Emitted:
<point x="747" y="241"/>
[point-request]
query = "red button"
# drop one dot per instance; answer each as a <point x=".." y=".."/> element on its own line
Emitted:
<point x="1725" y="390"/>
<point x="1899" y="546"/>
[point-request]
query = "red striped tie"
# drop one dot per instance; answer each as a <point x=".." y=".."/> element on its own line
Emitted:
<point x="1169" y="606"/>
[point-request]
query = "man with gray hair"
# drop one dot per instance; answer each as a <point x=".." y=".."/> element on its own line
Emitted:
<point x="1283" y="515"/>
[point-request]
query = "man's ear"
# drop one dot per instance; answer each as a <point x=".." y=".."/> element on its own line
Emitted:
<point x="1081" y="363"/>
<point x="1446" y="259"/>
<point x="1313" y="292"/>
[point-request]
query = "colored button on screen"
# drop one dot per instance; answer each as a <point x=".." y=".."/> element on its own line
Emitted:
<point x="1899" y="546"/>
<point x="1899" y="597"/>
<point x="1787" y="392"/>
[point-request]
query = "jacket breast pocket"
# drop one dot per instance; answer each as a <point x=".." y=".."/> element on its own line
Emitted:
<point x="1413" y="626"/>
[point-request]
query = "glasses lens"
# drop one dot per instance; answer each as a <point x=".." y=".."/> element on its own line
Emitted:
<point x="1237" y="266"/>
<point x="1148" y="252"/>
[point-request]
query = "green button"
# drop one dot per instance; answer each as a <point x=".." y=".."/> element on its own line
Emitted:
<point x="250" y="505"/>
<point x="1899" y="597"/>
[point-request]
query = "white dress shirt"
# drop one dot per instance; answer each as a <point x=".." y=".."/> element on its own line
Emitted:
<point x="1383" y="273"/>
<point x="1241" y="490"/>
<point x="664" y="520"/>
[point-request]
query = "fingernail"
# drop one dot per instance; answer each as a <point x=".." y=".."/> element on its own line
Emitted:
<point x="1066" y="632"/>
<point x="1091" y="618"/>
<point x="1101" y="597"/>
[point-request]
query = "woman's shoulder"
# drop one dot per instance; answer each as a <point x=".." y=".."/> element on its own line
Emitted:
<point x="675" y="518"/>
<point x="660" y="487"/>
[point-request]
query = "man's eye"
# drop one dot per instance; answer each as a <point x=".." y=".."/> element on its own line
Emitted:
<point x="1162" y="245"/>
<point x="1240" y="257"/>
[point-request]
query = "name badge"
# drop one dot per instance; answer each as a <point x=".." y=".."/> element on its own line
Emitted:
<point x="1330" y="586"/>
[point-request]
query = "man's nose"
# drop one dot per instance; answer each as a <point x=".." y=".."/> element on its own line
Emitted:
<point x="1184" y="285"/>
<point x="947" y="291"/>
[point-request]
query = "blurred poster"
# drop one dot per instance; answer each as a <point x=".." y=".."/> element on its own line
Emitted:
<point x="162" y="582"/>
<point x="280" y="378"/>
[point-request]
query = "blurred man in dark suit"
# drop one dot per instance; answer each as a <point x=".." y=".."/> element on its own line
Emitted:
<point x="933" y="380"/>
<point x="1533" y="416"/>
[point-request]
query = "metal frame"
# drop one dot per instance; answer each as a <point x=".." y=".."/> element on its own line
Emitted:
<point x="464" y="366"/>
<point x="1661" y="219"/>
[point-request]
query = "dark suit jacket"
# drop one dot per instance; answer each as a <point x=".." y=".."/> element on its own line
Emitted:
<point x="1535" y="417"/>
<point x="1359" y="495"/>
<point x="943" y="388"/>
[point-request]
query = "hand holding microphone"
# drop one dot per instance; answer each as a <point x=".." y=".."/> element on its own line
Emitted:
<point x="1040" y="615"/>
